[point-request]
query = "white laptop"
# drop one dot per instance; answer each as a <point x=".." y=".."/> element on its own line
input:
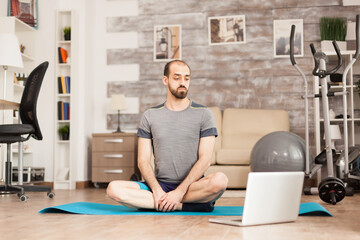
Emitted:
<point x="271" y="197"/>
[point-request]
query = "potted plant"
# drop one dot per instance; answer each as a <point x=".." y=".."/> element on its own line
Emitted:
<point x="67" y="33"/>
<point x="333" y="29"/>
<point x="64" y="132"/>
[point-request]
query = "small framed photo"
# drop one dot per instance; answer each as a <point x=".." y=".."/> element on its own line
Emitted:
<point x="227" y="30"/>
<point x="282" y="29"/>
<point x="167" y="42"/>
<point x="24" y="10"/>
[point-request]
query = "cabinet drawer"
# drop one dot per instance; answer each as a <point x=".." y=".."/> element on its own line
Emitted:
<point x="113" y="159"/>
<point x="107" y="174"/>
<point x="126" y="143"/>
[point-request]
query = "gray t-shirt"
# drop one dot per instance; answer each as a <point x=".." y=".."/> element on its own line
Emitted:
<point x="175" y="138"/>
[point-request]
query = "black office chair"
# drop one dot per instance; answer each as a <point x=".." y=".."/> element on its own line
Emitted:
<point x="11" y="133"/>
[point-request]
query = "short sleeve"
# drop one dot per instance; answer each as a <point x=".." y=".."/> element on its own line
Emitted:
<point x="144" y="130"/>
<point x="208" y="126"/>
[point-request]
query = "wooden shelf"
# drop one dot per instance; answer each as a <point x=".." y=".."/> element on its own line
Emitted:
<point x="63" y="121"/>
<point x="64" y="149"/>
<point x="6" y="105"/>
<point x="63" y="95"/>
<point x="18" y="87"/>
<point x="22" y="27"/>
<point x="64" y="42"/>
<point x="64" y="64"/>
<point x="337" y="120"/>
<point x="27" y="57"/>
<point x="336" y="104"/>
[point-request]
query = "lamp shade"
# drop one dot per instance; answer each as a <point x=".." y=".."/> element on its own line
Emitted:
<point x="118" y="102"/>
<point x="10" y="54"/>
<point x="335" y="132"/>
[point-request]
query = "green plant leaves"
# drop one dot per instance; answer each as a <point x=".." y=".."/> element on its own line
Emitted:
<point x="333" y="28"/>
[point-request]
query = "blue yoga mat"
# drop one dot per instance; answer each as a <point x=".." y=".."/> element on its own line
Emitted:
<point x="306" y="209"/>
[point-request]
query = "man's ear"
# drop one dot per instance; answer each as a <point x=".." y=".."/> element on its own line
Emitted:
<point x="165" y="80"/>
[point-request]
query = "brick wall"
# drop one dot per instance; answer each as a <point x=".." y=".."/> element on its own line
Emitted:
<point x="240" y="75"/>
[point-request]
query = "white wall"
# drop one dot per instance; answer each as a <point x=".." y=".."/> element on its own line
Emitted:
<point x="43" y="151"/>
<point x="3" y="8"/>
<point x="93" y="74"/>
<point x="103" y="73"/>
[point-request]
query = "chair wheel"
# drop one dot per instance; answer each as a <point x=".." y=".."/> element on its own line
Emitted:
<point x="332" y="190"/>
<point x="51" y="194"/>
<point x="24" y="198"/>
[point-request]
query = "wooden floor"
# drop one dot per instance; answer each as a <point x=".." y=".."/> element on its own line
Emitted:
<point x="21" y="220"/>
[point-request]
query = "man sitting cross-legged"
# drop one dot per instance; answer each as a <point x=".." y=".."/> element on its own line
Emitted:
<point x="181" y="134"/>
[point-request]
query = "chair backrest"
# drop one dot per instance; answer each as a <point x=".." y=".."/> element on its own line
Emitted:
<point x="29" y="99"/>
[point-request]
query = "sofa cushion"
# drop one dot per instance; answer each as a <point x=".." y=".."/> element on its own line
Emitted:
<point x="218" y="121"/>
<point x="242" y="128"/>
<point x="233" y="156"/>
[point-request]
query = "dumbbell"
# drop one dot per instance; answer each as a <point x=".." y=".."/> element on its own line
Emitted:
<point x="332" y="190"/>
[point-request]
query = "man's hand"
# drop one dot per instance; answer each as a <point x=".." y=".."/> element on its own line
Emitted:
<point x="158" y="194"/>
<point x="169" y="201"/>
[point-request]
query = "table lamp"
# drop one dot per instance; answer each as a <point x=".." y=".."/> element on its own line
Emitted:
<point x="10" y="55"/>
<point x="118" y="103"/>
<point x="335" y="135"/>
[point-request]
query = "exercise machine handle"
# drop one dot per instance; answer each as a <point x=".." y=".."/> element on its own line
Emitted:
<point x="313" y="50"/>
<point x="340" y="62"/>
<point x="322" y="55"/>
<point x="357" y="36"/>
<point x="292" y="35"/>
<point x="316" y="68"/>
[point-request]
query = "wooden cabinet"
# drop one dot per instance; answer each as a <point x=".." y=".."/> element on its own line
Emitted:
<point x="113" y="156"/>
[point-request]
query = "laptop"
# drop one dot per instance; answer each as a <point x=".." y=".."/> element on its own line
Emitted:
<point x="271" y="197"/>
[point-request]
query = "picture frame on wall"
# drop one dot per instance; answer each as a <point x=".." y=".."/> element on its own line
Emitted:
<point x="24" y="10"/>
<point x="167" y="42"/>
<point x="282" y="29"/>
<point x="227" y="30"/>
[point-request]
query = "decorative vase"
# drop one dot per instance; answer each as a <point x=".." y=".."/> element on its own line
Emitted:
<point x="67" y="37"/>
<point x="64" y="136"/>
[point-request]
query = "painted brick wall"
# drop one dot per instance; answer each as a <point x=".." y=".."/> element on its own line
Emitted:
<point x="242" y="75"/>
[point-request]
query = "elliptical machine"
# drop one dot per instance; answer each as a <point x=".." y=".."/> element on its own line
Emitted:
<point x="350" y="158"/>
<point x="331" y="189"/>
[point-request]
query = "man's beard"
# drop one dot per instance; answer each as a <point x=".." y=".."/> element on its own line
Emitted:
<point x="179" y="94"/>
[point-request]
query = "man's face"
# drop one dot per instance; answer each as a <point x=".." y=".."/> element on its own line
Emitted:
<point x="179" y="80"/>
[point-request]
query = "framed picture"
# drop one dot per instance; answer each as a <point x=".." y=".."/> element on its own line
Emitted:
<point x="227" y="30"/>
<point x="24" y="10"/>
<point x="282" y="29"/>
<point x="167" y="42"/>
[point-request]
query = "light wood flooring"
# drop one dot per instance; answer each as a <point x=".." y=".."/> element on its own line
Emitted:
<point x="21" y="220"/>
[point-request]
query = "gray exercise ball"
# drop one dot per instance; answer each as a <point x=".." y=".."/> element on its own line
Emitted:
<point x="279" y="152"/>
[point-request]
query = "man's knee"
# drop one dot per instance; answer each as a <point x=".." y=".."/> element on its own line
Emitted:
<point x="218" y="182"/>
<point x="111" y="188"/>
<point x="116" y="191"/>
